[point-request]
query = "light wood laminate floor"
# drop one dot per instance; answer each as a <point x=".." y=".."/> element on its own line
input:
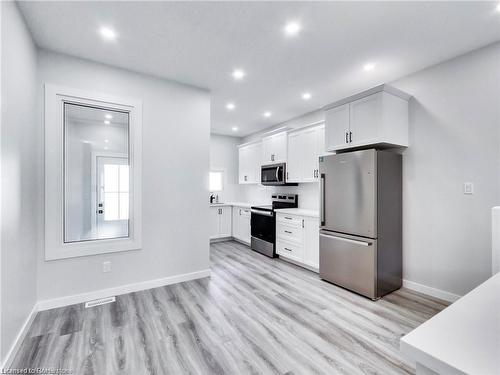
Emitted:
<point x="254" y="315"/>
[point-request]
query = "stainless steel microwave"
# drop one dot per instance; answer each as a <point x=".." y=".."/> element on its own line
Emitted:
<point x="274" y="174"/>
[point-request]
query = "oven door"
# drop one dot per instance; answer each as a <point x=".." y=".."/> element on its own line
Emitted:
<point x="273" y="174"/>
<point x="263" y="225"/>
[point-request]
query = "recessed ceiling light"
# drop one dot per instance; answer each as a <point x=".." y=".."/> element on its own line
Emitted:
<point x="238" y="74"/>
<point x="234" y="128"/>
<point x="107" y="122"/>
<point x="292" y="28"/>
<point x="306" y="96"/>
<point x="368" y="67"/>
<point x="230" y="106"/>
<point x="108" y="116"/>
<point x="106" y="141"/>
<point x="107" y="33"/>
<point x="498" y="7"/>
<point x="267" y="114"/>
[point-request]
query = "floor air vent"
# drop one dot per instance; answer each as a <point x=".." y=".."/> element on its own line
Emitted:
<point x="98" y="302"/>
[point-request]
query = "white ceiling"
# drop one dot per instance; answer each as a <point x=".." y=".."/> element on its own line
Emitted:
<point x="200" y="43"/>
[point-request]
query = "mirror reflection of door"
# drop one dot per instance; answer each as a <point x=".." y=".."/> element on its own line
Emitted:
<point x="96" y="173"/>
<point x="112" y="203"/>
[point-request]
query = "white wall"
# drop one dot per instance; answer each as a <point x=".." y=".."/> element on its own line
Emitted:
<point x="176" y="132"/>
<point x="454" y="138"/>
<point x="21" y="182"/>
<point x="224" y="155"/>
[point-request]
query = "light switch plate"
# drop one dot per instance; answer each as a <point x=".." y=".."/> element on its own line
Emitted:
<point x="468" y="188"/>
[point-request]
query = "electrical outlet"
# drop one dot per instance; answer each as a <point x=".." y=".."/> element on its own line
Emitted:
<point x="106" y="266"/>
<point x="468" y="188"/>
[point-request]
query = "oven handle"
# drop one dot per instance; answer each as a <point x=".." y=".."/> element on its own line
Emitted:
<point x="263" y="213"/>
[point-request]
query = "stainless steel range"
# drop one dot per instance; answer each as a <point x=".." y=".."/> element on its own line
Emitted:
<point x="263" y="223"/>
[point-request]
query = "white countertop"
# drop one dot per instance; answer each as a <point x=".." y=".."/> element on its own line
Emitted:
<point x="298" y="211"/>
<point x="464" y="337"/>
<point x="238" y="204"/>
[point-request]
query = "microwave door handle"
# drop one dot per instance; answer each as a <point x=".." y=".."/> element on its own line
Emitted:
<point x="277" y="171"/>
<point x="322" y="199"/>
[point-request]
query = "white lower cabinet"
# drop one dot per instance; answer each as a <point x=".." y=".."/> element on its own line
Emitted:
<point x="297" y="239"/>
<point x="220" y="222"/>
<point x="241" y="224"/>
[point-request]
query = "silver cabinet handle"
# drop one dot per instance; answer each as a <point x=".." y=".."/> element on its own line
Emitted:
<point x="288" y="218"/>
<point x="302" y="223"/>
<point x="362" y="243"/>
<point x="287" y="249"/>
<point x="346" y="137"/>
<point x="287" y="231"/>
<point x="350" y="137"/>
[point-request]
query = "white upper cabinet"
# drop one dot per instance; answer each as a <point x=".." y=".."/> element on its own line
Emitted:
<point x="376" y="117"/>
<point x="249" y="157"/>
<point x="337" y="127"/>
<point x="304" y="148"/>
<point x="274" y="149"/>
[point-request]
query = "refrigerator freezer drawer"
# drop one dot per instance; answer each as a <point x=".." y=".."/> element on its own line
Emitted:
<point x="350" y="262"/>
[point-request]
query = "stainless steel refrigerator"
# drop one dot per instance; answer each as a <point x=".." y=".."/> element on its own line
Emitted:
<point x="361" y="221"/>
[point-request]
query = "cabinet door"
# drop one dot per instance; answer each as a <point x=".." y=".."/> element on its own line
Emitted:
<point x="214" y="222"/>
<point x="311" y="241"/>
<point x="337" y="128"/>
<point x="254" y="163"/>
<point x="366" y="118"/>
<point x="249" y="159"/>
<point x="243" y="156"/>
<point x="266" y="150"/>
<point x="295" y="155"/>
<point x="309" y="155"/>
<point x="280" y="148"/>
<point x="320" y="141"/>
<point x="274" y="149"/>
<point x="236" y="223"/>
<point x="225" y="229"/>
<point x="245" y="225"/>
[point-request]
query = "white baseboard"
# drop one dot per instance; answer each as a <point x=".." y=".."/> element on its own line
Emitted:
<point x="9" y="358"/>
<point x="124" y="289"/>
<point x="430" y="291"/>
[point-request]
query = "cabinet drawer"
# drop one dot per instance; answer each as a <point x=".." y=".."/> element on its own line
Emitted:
<point x="289" y="232"/>
<point x="289" y="220"/>
<point x="289" y="250"/>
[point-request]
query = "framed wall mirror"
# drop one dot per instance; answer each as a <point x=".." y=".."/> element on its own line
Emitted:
<point x="93" y="153"/>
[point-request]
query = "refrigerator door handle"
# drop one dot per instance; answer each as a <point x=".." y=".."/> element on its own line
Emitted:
<point x="362" y="243"/>
<point x="322" y="199"/>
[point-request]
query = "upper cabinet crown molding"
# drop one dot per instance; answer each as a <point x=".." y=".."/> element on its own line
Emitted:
<point x="378" y="116"/>
<point x="380" y="88"/>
